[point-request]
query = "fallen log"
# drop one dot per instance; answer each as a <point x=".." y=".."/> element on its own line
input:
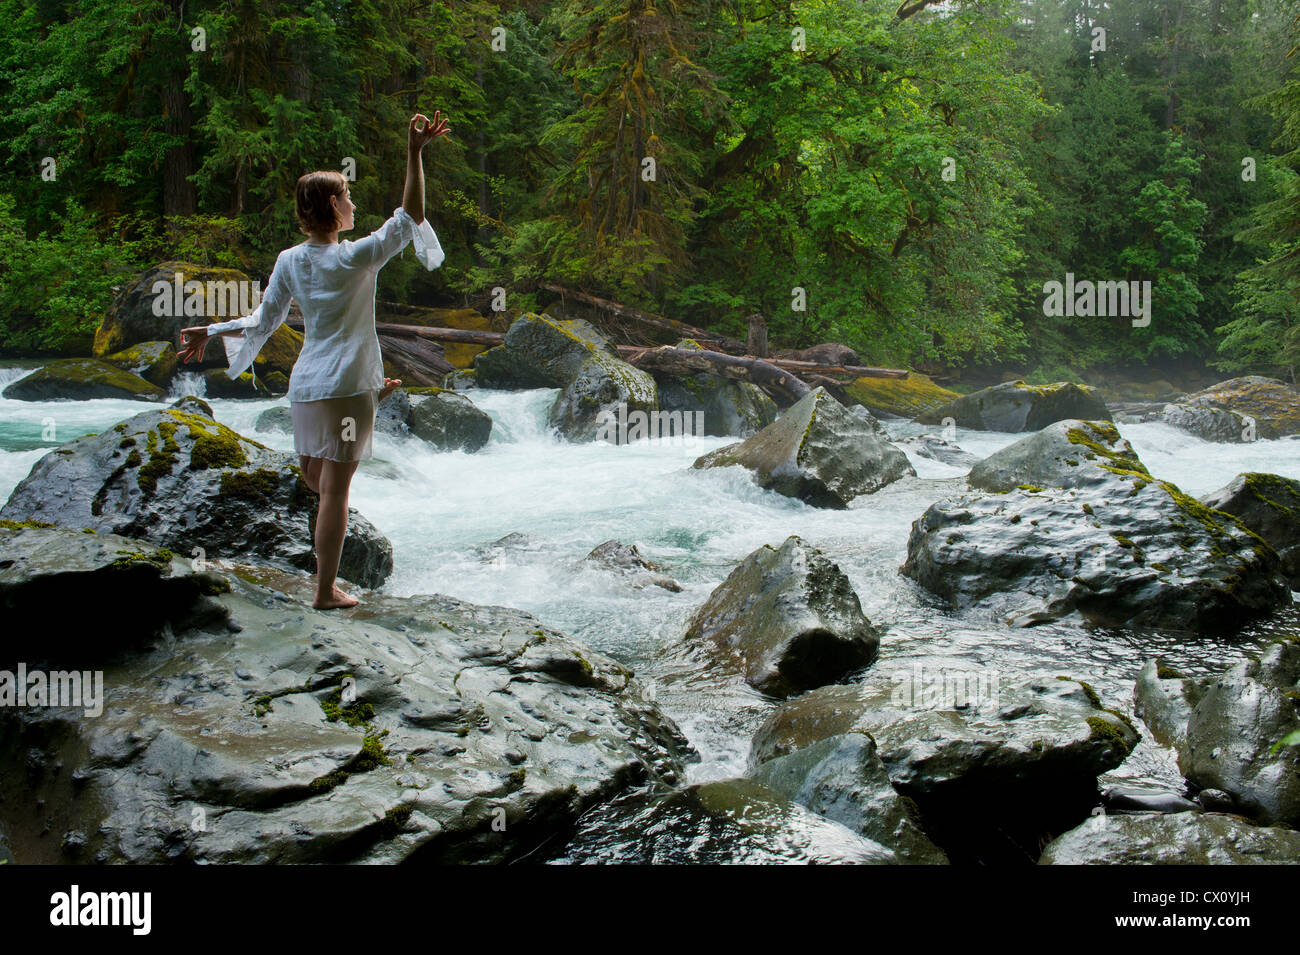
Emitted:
<point x="784" y="387"/>
<point x="679" y="329"/>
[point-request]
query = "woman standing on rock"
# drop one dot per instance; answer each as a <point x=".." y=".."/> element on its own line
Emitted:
<point x="338" y="380"/>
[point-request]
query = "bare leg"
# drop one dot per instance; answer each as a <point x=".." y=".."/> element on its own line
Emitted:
<point x="331" y="527"/>
<point x="310" y="468"/>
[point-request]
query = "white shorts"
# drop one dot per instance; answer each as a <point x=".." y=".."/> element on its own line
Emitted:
<point x="340" y="429"/>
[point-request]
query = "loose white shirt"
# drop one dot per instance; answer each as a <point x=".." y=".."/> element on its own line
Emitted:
<point x="334" y="285"/>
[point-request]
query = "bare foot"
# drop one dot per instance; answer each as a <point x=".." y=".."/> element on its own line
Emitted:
<point x="336" y="599"/>
<point x="390" y="385"/>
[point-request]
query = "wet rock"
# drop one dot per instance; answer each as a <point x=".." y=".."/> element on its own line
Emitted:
<point x="1114" y="545"/>
<point x="278" y="419"/>
<point x="421" y="728"/>
<point x="1017" y="406"/>
<point x="193" y="403"/>
<point x="1233" y="728"/>
<point x="514" y="541"/>
<point x="155" y="362"/>
<point x="1272" y="405"/>
<point x="1216" y="800"/>
<point x="1133" y="798"/>
<point x="81" y="379"/>
<point x="184" y="481"/>
<point x="628" y="560"/>
<point x="903" y="397"/>
<point x="989" y="777"/>
<point x="1208" y="424"/>
<point x="542" y="352"/>
<point x="789" y="619"/>
<point x="817" y="452"/>
<point x="1164" y="699"/>
<point x="1185" y="838"/>
<point x="218" y="384"/>
<point x="446" y="420"/>
<point x="728" y="822"/>
<point x="729" y="408"/>
<point x="1270" y="506"/>
<point x="843" y="779"/>
<point x="937" y="449"/>
<point x="393" y="414"/>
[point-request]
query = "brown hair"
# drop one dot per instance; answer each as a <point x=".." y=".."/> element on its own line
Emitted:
<point x="315" y="213"/>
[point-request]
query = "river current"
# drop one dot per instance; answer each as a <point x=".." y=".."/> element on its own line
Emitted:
<point x="439" y="509"/>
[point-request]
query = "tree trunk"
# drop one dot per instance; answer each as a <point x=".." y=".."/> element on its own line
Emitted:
<point x="756" y="344"/>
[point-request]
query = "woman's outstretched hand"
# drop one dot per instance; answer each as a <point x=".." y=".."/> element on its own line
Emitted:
<point x="422" y="131"/>
<point x="194" y="341"/>
<point x="390" y="385"/>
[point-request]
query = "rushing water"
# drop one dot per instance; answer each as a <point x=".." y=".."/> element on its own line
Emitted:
<point x="440" y="509"/>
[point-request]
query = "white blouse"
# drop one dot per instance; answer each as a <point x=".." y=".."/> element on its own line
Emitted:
<point x="334" y="285"/>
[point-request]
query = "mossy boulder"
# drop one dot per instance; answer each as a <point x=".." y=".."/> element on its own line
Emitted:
<point x="1016" y="406"/>
<point x="1182" y="839"/>
<point x="81" y="379"/>
<point x="1065" y="454"/>
<point x="818" y="452"/>
<point x="476" y="733"/>
<point x="989" y="775"/>
<point x="1273" y="406"/>
<point x="131" y="318"/>
<point x="218" y="384"/>
<point x="153" y="361"/>
<point x="903" y="397"/>
<point x="572" y="355"/>
<point x="1208" y="423"/>
<point x="789" y="619"/>
<point x="184" y="481"/>
<point x="1101" y="538"/>
<point x="1269" y="505"/>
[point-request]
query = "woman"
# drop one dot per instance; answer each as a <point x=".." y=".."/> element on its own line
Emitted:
<point x="338" y="379"/>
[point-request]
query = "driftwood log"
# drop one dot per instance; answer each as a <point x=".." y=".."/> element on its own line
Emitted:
<point x="783" y="386"/>
<point x="679" y="329"/>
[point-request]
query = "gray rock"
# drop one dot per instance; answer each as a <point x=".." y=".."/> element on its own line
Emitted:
<point x="1270" y="506"/>
<point x="1065" y="454"/>
<point x="1185" y="838"/>
<point x="817" y="452"/>
<point x="937" y="449"/>
<point x="729" y="822"/>
<point x="729" y="408"/>
<point x="1216" y="800"/>
<point x="1272" y="406"/>
<point x="1233" y="728"/>
<point x="843" y="778"/>
<point x="1164" y="699"/>
<point x="277" y="419"/>
<point x="448" y="421"/>
<point x="193" y="403"/>
<point x="184" y="481"/>
<point x="988" y="778"/>
<point x="789" y="619"/>
<point x="1208" y="424"/>
<point x="81" y="379"/>
<point x="542" y="352"/>
<point x="393" y="415"/>
<point x="421" y="728"/>
<point x="1117" y="546"/>
<point x="628" y="560"/>
<point x="1016" y="406"/>
<point x="1133" y="798"/>
<point x="155" y="362"/>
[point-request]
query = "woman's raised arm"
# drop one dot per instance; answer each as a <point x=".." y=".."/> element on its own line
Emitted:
<point x="420" y="133"/>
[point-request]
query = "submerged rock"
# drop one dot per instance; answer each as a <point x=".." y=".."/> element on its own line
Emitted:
<point x="937" y="449"/>
<point x="182" y="480"/>
<point x="843" y="779"/>
<point x="988" y="777"/>
<point x="1270" y="506"/>
<point x="1185" y="838"/>
<point x="789" y="619"/>
<point x="421" y="728"/>
<point x="729" y="822"/>
<point x="1106" y="541"/>
<point x="1017" y="406"/>
<point x="542" y="352"/>
<point x="818" y="452"/>
<point x="81" y="379"/>
<point x="628" y="560"/>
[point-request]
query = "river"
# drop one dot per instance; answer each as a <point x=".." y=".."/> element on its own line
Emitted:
<point x="439" y="509"/>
